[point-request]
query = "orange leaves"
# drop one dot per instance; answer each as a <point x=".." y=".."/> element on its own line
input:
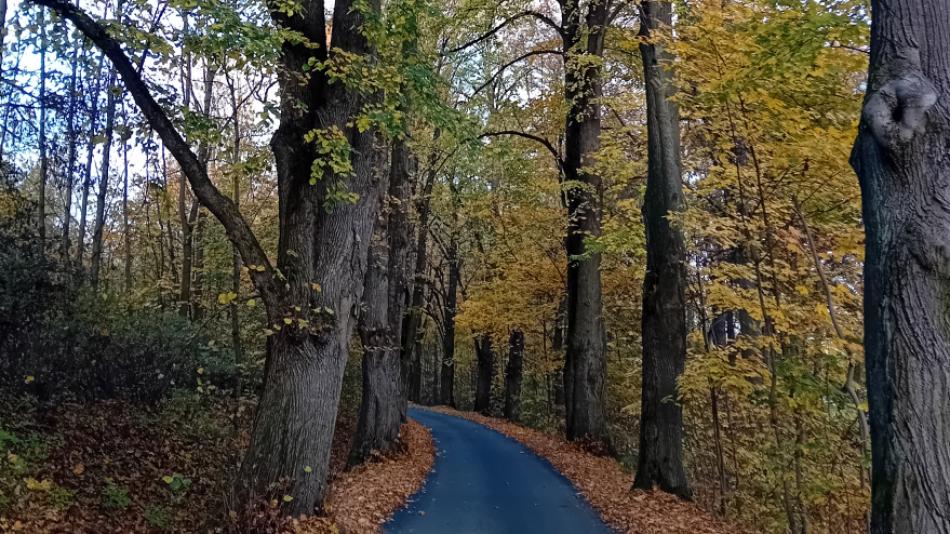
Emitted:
<point x="361" y="500"/>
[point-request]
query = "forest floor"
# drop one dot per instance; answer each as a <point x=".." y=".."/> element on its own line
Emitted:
<point x="117" y="467"/>
<point x="607" y="486"/>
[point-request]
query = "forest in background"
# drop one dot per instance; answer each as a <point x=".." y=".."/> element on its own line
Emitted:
<point x="498" y="128"/>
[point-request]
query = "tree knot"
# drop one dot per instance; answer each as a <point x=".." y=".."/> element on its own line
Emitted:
<point x="896" y="111"/>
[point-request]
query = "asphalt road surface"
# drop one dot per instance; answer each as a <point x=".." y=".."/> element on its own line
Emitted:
<point x="486" y="483"/>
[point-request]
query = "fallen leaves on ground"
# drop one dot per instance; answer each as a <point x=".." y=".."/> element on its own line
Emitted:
<point x="606" y="486"/>
<point x="112" y="467"/>
<point x="364" y="498"/>
<point x="117" y="467"/>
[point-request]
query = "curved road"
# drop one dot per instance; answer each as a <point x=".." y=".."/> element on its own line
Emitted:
<point x="486" y="483"/>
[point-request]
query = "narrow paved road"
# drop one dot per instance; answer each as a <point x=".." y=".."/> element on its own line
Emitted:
<point x="486" y="483"/>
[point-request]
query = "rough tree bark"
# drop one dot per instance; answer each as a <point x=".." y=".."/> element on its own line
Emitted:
<point x="902" y="162"/>
<point x="485" y="353"/>
<point x="586" y="343"/>
<point x="319" y="243"/>
<point x="514" y="372"/>
<point x="382" y="409"/>
<point x="401" y="170"/>
<point x="660" y="461"/>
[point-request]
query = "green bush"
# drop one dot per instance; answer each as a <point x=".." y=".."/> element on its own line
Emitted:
<point x="59" y="337"/>
<point x="99" y="348"/>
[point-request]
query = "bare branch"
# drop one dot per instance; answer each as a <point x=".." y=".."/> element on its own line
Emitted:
<point x="527" y="13"/>
<point x="502" y="69"/>
<point x="536" y="138"/>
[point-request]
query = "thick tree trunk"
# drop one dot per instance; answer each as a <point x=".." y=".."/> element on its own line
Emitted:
<point x="400" y="284"/>
<point x="103" y="193"/>
<point x="514" y="372"/>
<point x="380" y="415"/>
<point x="485" y="354"/>
<point x="901" y="160"/>
<point x="320" y="243"/>
<point x="383" y="408"/>
<point x="660" y="461"/>
<point x="586" y="343"/>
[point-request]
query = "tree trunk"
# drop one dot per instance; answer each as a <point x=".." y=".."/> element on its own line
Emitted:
<point x="69" y="182"/>
<point x="901" y="161"/>
<point x="198" y="266"/>
<point x="87" y="169"/>
<point x="401" y="169"/>
<point x="3" y="29"/>
<point x="411" y="329"/>
<point x="485" y="354"/>
<point x="380" y="415"/>
<point x="447" y="369"/>
<point x="383" y="408"/>
<point x="233" y="312"/>
<point x="660" y="461"/>
<point x="513" y="376"/>
<point x="44" y="164"/>
<point x="586" y="343"/>
<point x="319" y="243"/>
<point x="126" y="229"/>
<point x="103" y="193"/>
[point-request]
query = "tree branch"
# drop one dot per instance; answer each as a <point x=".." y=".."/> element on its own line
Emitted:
<point x="536" y="138"/>
<point x="238" y="231"/>
<point x="527" y="13"/>
<point x="501" y="69"/>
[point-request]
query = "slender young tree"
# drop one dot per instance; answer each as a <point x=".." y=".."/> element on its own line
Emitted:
<point x="900" y="156"/>
<point x="44" y="162"/>
<point x="660" y="461"/>
<point x="99" y="223"/>
<point x="72" y="104"/>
